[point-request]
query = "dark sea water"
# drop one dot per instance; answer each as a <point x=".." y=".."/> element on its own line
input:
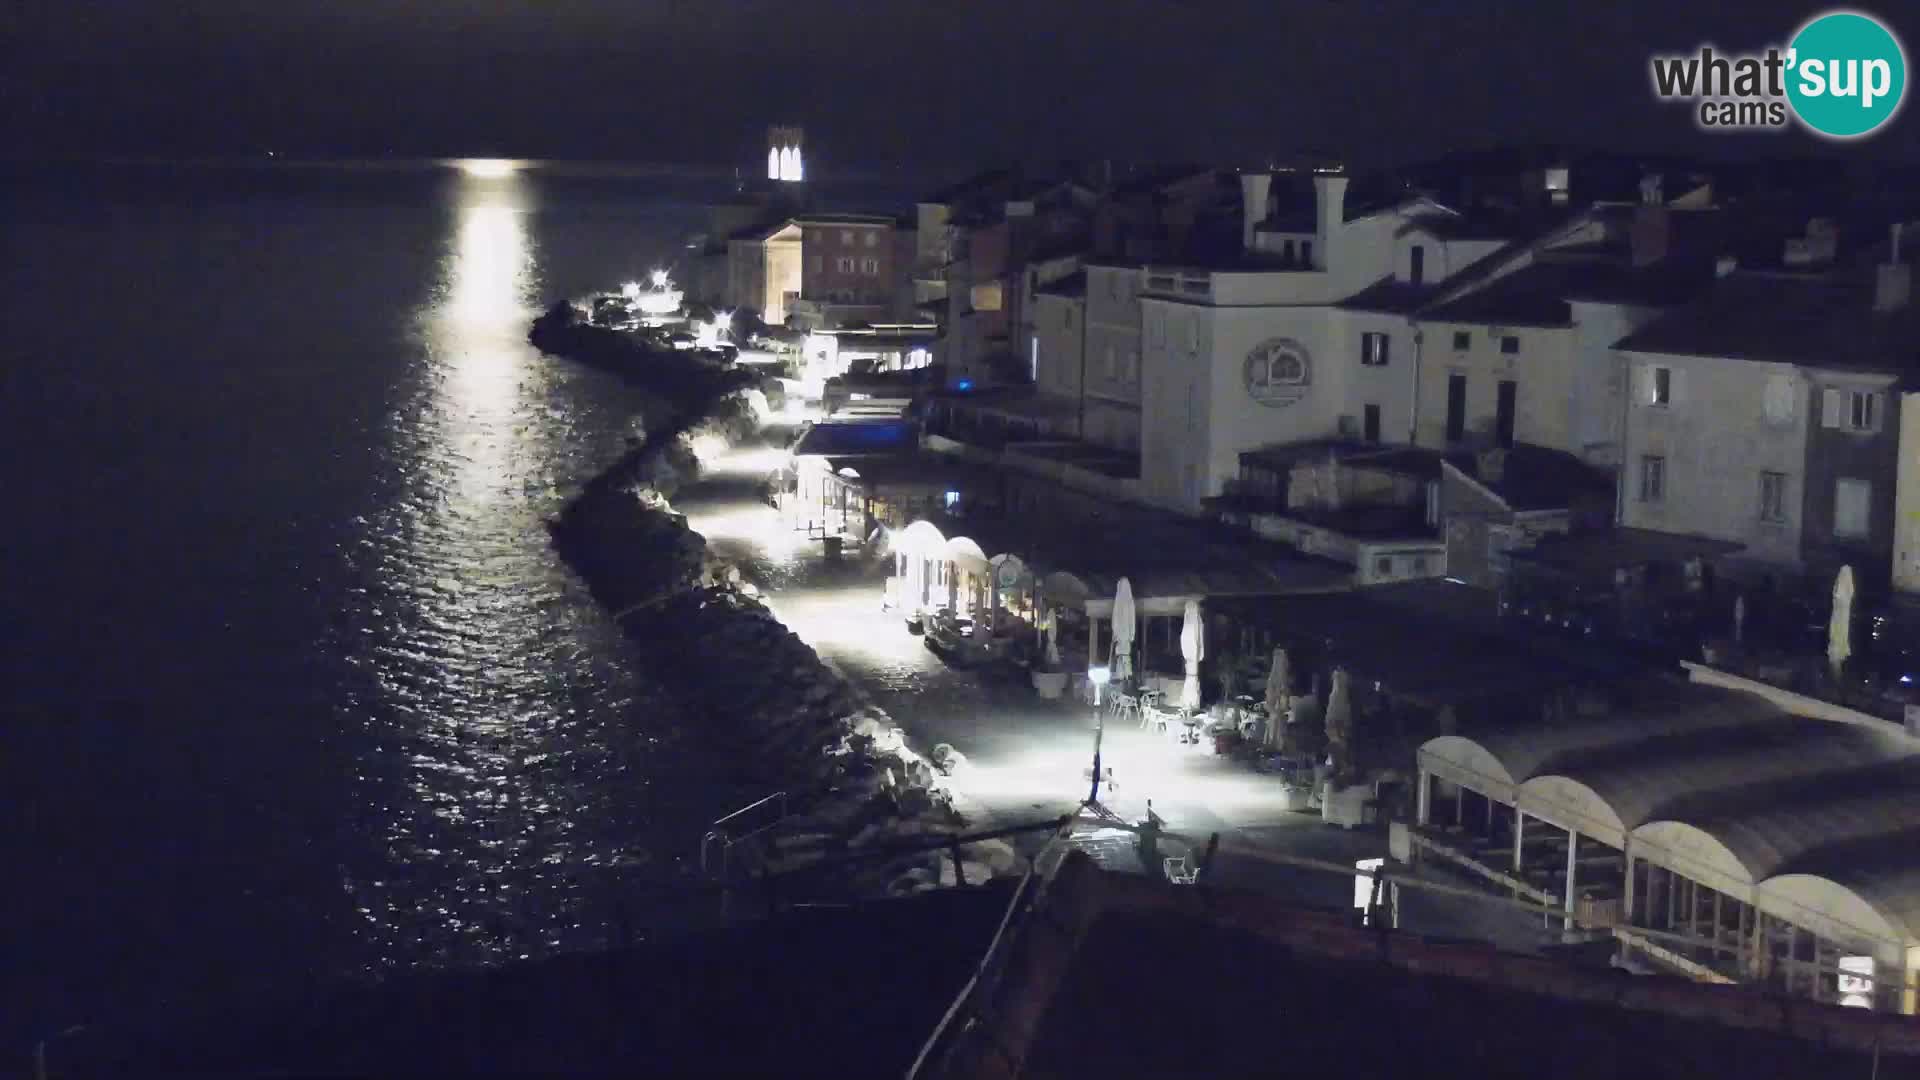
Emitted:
<point x="294" y="688"/>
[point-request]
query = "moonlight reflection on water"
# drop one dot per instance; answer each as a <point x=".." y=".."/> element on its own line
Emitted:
<point x="503" y="777"/>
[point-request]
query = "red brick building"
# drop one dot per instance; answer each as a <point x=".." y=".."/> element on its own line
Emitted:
<point x="848" y="266"/>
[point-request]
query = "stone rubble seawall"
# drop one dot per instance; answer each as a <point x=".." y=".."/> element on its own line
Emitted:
<point x="779" y="716"/>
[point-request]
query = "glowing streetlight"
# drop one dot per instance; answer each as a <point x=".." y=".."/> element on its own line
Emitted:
<point x="631" y="290"/>
<point x="1098" y="676"/>
<point x="489" y="168"/>
<point x="659" y="279"/>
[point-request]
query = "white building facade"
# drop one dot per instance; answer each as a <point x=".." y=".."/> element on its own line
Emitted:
<point x="1255" y="352"/>
<point x="1906" y="522"/>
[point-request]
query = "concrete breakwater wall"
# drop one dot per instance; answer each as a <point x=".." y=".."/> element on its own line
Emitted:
<point x="775" y="713"/>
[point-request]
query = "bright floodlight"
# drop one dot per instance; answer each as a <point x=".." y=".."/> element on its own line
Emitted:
<point x="659" y="279"/>
<point x="631" y="290"/>
<point x="1099" y="675"/>
<point x="489" y="168"/>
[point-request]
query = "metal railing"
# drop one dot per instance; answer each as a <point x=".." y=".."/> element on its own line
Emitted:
<point x="721" y="833"/>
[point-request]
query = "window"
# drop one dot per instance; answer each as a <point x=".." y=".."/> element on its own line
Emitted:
<point x="1863" y="411"/>
<point x="1306" y="251"/>
<point x="1653" y="478"/>
<point x="1113" y="363"/>
<point x="1773" y="496"/>
<point x="1510" y="346"/>
<point x="1462" y="340"/>
<point x="1779" y="399"/>
<point x="1456" y="407"/>
<point x="870" y="266"/>
<point x="1850" y="410"/>
<point x="1131" y="373"/>
<point x="844" y="264"/>
<point x="1417" y="264"/>
<point x="846" y="237"/>
<point x="1506" y="406"/>
<point x="873" y="238"/>
<point x="1370" y="423"/>
<point x="1420" y="564"/>
<point x="1383" y="566"/>
<point x="1850" y="507"/>
<point x="819" y="263"/>
<point x="1033" y="364"/>
<point x="1660" y="386"/>
<point x="1373" y="349"/>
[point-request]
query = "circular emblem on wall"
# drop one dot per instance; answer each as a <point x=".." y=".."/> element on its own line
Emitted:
<point x="1278" y="372"/>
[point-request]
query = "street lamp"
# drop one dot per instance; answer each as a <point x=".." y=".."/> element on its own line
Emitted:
<point x="1098" y="676"/>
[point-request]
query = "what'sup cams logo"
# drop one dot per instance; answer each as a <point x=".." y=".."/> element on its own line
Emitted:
<point x="1842" y="76"/>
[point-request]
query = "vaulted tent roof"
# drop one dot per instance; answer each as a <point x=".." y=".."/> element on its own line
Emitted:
<point x="1768" y="825"/>
<point x="1641" y="779"/>
<point x="1823" y="817"/>
<point x="1882" y="871"/>
<point x="1673" y="710"/>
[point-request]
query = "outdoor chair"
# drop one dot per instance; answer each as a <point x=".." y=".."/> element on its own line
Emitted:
<point x="1125" y="705"/>
<point x="1178" y="872"/>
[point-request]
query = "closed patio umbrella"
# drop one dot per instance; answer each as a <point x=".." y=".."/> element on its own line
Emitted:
<point x="1840" y="625"/>
<point x="1279" y="697"/>
<point x="1123" y="626"/>
<point x="1053" y="641"/>
<point x="1193" y="648"/>
<point x="1340" y="723"/>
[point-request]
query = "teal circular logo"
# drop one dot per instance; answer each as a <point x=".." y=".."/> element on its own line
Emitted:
<point x="1847" y="74"/>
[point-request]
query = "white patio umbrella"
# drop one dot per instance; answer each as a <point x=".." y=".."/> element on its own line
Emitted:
<point x="1279" y="696"/>
<point x="1340" y="720"/>
<point x="1840" y="626"/>
<point x="1739" y="619"/>
<point x="1193" y="648"/>
<point x="1123" y="625"/>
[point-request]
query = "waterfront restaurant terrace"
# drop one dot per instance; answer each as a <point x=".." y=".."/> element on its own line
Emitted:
<point x="1709" y="831"/>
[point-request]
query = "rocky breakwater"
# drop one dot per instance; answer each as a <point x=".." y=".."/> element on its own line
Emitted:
<point x="775" y="714"/>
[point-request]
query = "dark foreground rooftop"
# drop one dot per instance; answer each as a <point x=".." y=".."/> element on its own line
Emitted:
<point x="1122" y="975"/>
<point x="843" y="992"/>
<point x="1152" y="994"/>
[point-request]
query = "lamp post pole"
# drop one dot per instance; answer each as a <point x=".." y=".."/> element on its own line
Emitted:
<point x="1098" y="677"/>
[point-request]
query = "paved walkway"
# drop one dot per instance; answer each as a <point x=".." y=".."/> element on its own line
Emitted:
<point x="1029" y="759"/>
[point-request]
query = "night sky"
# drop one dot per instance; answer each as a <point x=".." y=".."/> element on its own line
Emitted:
<point x="877" y="83"/>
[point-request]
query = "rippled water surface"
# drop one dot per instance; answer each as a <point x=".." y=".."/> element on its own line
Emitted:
<point x="294" y="686"/>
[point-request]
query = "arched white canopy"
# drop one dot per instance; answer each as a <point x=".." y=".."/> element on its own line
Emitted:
<point x="964" y="553"/>
<point x="1009" y="572"/>
<point x="1697" y="854"/>
<point x="921" y="539"/>
<point x="1570" y="804"/>
<point x="1839" y="912"/>
<point x="1460" y="760"/>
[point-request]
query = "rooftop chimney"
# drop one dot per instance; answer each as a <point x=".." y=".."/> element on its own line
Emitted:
<point x="1330" y="206"/>
<point x="1649" y="235"/>
<point x="1491" y="465"/>
<point x="1817" y="247"/>
<point x="1893" y="284"/>
<point x="1253" y="205"/>
<point x="1652" y="190"/>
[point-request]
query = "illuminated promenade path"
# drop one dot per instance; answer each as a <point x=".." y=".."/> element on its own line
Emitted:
<point x="1027" y="758"/>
